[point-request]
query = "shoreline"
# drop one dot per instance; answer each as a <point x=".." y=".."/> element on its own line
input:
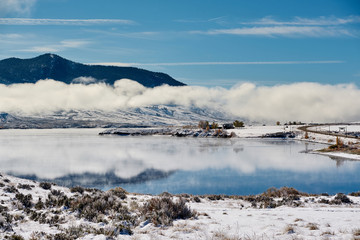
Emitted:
<point x="330" y="139"/>
<point x="257" y="132"/>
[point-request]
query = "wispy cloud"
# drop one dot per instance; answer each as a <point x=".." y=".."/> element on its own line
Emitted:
<point x="321" y="21"/>
<point x="217" y="63"/>
<point x="16" y="6"/>
<point x="297" y="27"/>
<point x="309" y="31"/>
<point x="40" y="49"/>
<point x="73" y="43"/>
<point x="50" y="21"/>
<point x="61" y="46"/>
<point x="8" y="36"/>
<point x="215" y="19"/>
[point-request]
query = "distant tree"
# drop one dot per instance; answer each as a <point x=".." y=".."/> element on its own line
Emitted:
<point x="214" y="125"/>
<point x="306" y="135"/>
<point x="203" y="124"/>
<point x="339" y="143"/>
<point x="238" y="123"/>
<point x="277" y="123"/>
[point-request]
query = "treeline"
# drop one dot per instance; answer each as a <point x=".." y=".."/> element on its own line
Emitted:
<point x="206" y="125"/>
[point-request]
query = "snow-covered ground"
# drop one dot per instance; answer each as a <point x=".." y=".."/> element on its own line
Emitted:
<point x="337" y="128"/>
<point x="217" y="217"/>
<point x="259" y="131"/>
<point x="341" y="155"/>
<point x="330" y="139"/>
<point x="255" y="131"/>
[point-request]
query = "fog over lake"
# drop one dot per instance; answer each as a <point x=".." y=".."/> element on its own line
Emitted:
<point x="191" y="165"/>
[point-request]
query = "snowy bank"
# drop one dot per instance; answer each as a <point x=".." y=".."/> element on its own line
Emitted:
<point x="33" y="210"/>
<point x="330" y="135"/>
<point x="243" y="132"/>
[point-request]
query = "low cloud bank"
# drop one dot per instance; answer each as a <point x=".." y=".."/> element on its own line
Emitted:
<point x="291" y="102"/>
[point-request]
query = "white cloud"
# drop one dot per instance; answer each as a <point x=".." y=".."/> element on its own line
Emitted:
<point x="10" y="36"/>
<point x="61" y="46"/>
<point x="289" y="31"/>
<point x="139" y="35"/>
<point x="321" y="21"/>
<point x="119" y="64"/>
<point x="40" y="49"/>
<point x="73" y="43"/>
<point x="218" y="20"/>
<point x="49" y="21"/>
<point x="298" y="101"/>
<point x="16" y="6"/>
<point x="297" y="27"/>
<point x="84" y="80"/>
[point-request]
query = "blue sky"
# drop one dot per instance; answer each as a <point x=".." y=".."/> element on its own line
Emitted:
<point x="208" y="43"/>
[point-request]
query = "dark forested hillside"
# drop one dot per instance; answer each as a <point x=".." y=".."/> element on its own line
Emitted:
<point x="15" y="70"/>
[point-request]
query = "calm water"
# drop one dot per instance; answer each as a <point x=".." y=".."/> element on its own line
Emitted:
<point x="197" y="166"/>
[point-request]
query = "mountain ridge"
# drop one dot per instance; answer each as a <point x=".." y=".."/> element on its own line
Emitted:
<point x="52" y="66"/>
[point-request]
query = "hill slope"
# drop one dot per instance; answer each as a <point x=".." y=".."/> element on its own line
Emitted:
<point x="15" y="70"/>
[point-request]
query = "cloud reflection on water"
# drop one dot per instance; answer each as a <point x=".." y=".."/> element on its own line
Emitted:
<point x="58" y="152"/>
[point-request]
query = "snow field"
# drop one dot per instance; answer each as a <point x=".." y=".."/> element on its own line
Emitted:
<point x="222" y="218"/>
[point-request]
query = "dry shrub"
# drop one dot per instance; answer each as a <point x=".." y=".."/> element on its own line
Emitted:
<point x="119" y="192"/>
<point x="16" y="237"/>
<point x="24" y="186"/>
<point x="163" y="211"/>
<point x="11" y="189"/>
<point x="92" y="207"/>
<point x="341" y="198"/>
<point x="328" y="233"/>
<point x="77" y="189"/>
<point x="24" y="199"/>
<point x="355" y="194"/>
<point x="289" y="229"/>
<point x="214" y="197"/>
<point x="221" y="235"/>
<point x="312" y="226"/>
<point x="45" y="185"/>
<point x="282" y="192"/>
<point x="356" y="232"/>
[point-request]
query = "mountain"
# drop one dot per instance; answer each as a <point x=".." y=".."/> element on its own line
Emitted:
<point x="52" y="66"/>
<point x="157" y="115"/>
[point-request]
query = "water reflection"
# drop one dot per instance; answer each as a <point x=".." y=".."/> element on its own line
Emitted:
<point x="57" y="153"/>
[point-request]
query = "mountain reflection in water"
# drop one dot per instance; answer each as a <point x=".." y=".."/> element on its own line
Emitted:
<point x="192" y="165"/>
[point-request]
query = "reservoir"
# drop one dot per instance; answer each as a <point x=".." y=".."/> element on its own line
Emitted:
<point x="156" y="164"/>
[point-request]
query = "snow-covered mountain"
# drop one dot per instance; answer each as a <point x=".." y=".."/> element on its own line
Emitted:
<point x="157" y="115"/>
